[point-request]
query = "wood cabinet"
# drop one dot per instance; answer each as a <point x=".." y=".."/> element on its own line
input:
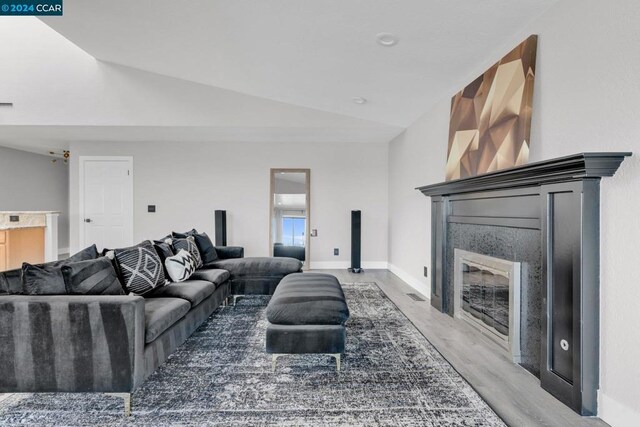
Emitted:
<point x="21" y="245"/>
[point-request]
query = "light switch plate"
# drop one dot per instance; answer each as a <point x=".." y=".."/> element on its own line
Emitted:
<point x="336" y="251"/>
<point x="151" y="208"/>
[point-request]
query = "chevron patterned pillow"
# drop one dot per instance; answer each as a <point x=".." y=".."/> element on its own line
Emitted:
<point x="180" y="266"/>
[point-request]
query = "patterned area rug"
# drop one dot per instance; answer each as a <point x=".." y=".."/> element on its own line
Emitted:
<point x="391" y="375"/>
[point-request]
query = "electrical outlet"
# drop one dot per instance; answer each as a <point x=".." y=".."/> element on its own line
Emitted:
<point x="426" y="272"/>
<point x="151" y="208"/>
<point x="336" y="251"/>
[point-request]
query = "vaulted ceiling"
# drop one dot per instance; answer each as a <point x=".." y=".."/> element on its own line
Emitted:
<point x="303" y="60"/>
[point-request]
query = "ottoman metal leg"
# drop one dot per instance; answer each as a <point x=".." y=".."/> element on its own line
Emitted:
<point x="274" y="358"/>
<point x="127" y="401"/>
<point x="337" y="356"/>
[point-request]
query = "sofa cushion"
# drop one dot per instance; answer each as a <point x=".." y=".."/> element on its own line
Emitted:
<point x="308" y="299"/>
<point x="213" y="275"/>
<point x="258" y="266"/>
<point x="180" y="266"/>
<point x="194" y="291"/>
<point x="162" y="313"/>
<point x="11" y="282"/>
<point x="91" y="277"/>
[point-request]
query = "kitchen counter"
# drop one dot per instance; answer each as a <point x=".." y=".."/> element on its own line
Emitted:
<point x="27" y="236"/>
<point x="25" y="219"/>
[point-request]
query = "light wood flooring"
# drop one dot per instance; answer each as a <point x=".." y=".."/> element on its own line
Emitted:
<point x="513" y="393"/>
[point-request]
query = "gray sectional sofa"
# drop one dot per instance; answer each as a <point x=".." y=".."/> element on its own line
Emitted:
<point x="111" y="344"/>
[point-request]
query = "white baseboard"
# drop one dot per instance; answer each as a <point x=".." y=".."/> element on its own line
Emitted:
<point x="615" y="413"/>
<point x="340" y="265"/>
<point x="412" y="281"/>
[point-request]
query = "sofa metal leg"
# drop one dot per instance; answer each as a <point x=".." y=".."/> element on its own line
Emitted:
<point x="274" y="358"/>
<point x="127" y="402"/>
<point x="235" y="299"/>
<point x="337" y="356"/>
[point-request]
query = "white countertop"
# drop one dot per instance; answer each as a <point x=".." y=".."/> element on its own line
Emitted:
<point x="27" y="212"/>
<point x="26" y="219"/>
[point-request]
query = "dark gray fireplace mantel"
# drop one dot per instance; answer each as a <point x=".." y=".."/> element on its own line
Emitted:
<point x="562" y="169"/>
<point x="546" y="215"/>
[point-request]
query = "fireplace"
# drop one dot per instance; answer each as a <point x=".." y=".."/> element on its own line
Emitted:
<point x="487" y="296"/>
<point x="544" y="219"/>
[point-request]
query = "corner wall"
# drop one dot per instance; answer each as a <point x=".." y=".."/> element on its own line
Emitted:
<point x="188" y="181"/>
<point x="31" y="182"/>
<point x="587" y="98"/>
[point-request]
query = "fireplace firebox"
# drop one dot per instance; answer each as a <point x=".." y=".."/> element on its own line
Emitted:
<point x="487" y="296"/>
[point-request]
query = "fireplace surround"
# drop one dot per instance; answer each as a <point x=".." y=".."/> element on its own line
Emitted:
<point x="545" y="216"/>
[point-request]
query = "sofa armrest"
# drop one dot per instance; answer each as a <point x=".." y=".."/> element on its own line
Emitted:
<point x="228" y="252"/>
<point x="71" y="343"/>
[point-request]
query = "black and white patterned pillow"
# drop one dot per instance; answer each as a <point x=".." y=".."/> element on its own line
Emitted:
<point x="188" y="244"/>
<point x="180" y="266"/>
<point x="141" y="268"/>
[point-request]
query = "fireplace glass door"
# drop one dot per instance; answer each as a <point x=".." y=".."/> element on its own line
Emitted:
<point x="487" y="295"/>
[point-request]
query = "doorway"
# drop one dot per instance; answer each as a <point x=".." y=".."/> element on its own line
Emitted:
<point x="106" y="202"/>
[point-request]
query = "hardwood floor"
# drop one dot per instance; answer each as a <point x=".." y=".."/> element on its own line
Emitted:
<point x="513" y="393"/>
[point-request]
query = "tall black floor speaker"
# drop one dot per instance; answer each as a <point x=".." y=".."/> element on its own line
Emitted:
<point x="356" y="236"/>
<point x="221" y="228"/>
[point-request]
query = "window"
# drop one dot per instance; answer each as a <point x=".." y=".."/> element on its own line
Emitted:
<point x="293" y="230"/>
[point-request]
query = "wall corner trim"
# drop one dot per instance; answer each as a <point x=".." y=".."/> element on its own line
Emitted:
<point x="412" y="281"/>
<point x="339" y="265"/>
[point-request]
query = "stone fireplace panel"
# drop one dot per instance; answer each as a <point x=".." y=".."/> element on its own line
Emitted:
<point x="513" y="244"/>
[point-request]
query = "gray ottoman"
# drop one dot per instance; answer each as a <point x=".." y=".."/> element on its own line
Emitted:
<point x="307" y="314"/>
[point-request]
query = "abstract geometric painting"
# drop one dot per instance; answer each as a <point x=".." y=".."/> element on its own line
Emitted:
<point x="491" y="118"/>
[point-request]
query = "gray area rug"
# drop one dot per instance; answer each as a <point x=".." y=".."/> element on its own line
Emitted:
<point x="221" y="376"/>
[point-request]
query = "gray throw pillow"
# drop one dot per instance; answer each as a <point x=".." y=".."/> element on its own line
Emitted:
<point x="92" y="277"/>
<point x="43" y="279"/>
<point x="46" y="279"/>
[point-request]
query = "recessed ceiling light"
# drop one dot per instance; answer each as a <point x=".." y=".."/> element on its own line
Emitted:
<point x="386" y="39"/>
<point x="359" y="100"/>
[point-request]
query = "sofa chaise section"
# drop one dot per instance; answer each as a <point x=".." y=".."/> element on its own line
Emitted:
<point x="256" y="275"/>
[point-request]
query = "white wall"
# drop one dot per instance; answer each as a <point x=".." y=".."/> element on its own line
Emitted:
<point x="188" y="181"/>
<point x="31" y="182"/>
<point x="587" y="98"/>
<point x="416" y="157"/>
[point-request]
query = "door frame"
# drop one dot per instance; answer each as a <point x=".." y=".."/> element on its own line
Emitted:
<point x="81" y="162"/>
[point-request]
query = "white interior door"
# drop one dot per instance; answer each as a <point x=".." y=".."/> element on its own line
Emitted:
<point x="106" y="202"/>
